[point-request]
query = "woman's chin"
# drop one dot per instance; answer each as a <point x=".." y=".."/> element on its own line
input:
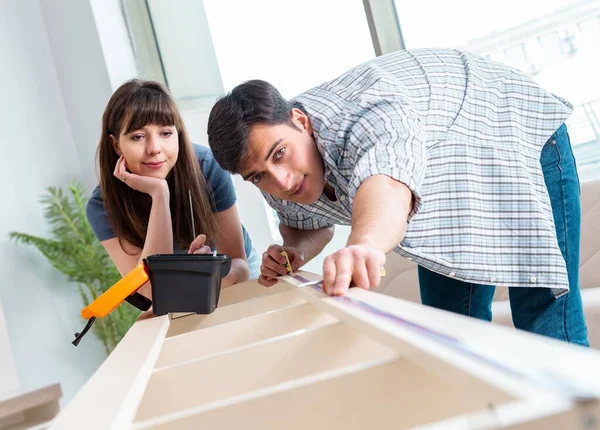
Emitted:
<point x="158" y="174"/>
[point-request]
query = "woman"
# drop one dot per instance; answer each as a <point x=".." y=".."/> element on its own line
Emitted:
<point x="149" y="174"/>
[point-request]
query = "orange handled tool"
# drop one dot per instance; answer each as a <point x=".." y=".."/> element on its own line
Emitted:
<point x="124" y="290"/>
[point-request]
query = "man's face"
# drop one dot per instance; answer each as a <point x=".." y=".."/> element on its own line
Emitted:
<point x="284" y="161"/>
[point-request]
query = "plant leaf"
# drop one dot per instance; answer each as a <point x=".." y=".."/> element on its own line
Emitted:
<point x="74" y="251"/>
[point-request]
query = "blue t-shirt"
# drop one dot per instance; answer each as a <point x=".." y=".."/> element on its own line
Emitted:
<point x="217" y="179"/>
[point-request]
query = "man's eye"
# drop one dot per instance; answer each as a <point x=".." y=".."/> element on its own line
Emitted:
<point x="279" y="153"/>
<point x="256" y="178"/>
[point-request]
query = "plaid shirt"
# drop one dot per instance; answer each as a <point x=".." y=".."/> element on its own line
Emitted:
<point x="464" y="134"/>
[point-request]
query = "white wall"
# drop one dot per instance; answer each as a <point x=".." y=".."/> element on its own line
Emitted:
<point x="44" y="142"/>
<point x="82" y="74"/>
<point x="9" y="380"/>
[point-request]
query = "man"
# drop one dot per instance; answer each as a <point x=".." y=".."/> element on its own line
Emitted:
<point x="456" y="162"/>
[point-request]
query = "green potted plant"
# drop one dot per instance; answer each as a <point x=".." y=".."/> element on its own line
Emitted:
<point x="74" y="250"/>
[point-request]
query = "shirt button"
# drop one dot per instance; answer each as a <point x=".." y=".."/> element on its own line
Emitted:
<point x="342" y="198"/>
<point x="451" y="274"/>
<point x="533" y="279"/>
<point x="553" y="141"/>
<point x="492" y="279"/>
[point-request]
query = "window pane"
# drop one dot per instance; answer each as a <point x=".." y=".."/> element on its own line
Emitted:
<point x="295" y="46"/>
<point x="186" y="50"/>
<point x="556" y="42"/>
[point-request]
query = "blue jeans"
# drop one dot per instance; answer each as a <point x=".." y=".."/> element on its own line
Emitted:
<point x="533" y="309"/>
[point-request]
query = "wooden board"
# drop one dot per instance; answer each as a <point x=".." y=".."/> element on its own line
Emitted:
<point x="291" y="357"/>
<point x="30" y="409"/>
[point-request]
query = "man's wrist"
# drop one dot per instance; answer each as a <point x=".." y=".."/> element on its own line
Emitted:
<point x="361" y="240"/>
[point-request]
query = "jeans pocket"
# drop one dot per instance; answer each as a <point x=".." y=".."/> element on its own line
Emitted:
<point x="550" y="156"/>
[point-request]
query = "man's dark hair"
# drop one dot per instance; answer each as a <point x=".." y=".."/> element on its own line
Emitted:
<point x="251" y="103"/>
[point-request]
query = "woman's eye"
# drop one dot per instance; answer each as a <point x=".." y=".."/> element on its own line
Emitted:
<point x="137" y="137"/>
<point x="279" y="153"/>
<point x="167" y="133"/>
<point x="256" y="178"/>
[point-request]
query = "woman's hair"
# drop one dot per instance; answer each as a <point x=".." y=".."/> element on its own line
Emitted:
<point x="134" y="105"/>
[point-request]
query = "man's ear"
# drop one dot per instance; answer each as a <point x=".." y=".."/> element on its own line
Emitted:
<point x="302" y="120"/>
<point x="115" y="144"/>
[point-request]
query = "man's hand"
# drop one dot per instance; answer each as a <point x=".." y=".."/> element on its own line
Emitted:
<point x="357" y="264"/>
<point x="273" y="263"/>
<point x="379" y="217"/>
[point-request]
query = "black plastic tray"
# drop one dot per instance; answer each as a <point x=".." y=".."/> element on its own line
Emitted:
<point x="186" y="282"/>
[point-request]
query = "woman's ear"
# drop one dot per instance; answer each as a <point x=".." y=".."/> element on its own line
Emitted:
<point x="115" y="144"/>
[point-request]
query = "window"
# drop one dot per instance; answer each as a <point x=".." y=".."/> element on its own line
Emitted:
<point x="590" y="32"/>
<point x="203" y="48"/>
<point x="174" y="45"/>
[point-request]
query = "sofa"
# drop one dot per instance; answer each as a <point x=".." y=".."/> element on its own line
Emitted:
<point x="401" y="279"/>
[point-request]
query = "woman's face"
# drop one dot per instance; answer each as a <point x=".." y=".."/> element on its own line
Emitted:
<point x="149" y="151"/>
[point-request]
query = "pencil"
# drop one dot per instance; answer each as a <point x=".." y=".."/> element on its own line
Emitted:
<point x="192" y="215"/>
<point x="288" y="266"/>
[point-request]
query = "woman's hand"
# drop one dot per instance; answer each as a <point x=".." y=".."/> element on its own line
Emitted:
<point x="198" y="246"/>
<point x="144" y="184"/>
